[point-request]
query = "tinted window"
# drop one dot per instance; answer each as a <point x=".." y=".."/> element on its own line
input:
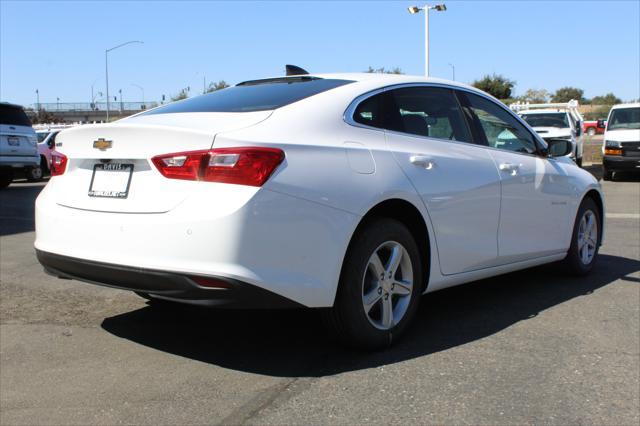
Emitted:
<point x="497" y="127"/>
<point x="369" y="111"/>
<point x="13" y="115"/>
<point x="260" y="95"/>
<point x="425" y="111"/>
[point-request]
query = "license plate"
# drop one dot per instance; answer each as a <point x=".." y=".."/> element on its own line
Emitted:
<point x="111" y="180"/>
<point x="13" y="141"/>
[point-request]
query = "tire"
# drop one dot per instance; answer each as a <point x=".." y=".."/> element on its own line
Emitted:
<point x="579" y="162"/>
<point x="393" y="305"/>
<point x="591" y="131"/>
<point x="607" y="174"/>
<point x="6" y="177"/>
<point x="34" y="174"/>
<point x="577" y="262"/>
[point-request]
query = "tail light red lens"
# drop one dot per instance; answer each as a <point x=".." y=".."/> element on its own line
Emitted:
<point x="58" y="163"/>
<point x="250" y="166"/>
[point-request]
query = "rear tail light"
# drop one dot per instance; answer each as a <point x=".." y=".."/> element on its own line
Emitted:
<point x="58" y="163"/>
<point x="240" y="166"/>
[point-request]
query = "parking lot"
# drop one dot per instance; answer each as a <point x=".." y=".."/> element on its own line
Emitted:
<point x="527" y="347"/>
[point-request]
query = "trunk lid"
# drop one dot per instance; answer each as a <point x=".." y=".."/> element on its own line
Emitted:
<point x="120" y="163"/>
<point x="19" y="141"/>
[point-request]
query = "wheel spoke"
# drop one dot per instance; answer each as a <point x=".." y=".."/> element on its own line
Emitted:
<point x="394" y="260"/>
<point x="402" y="288"/>
<point x="585" y="254"/>
<point x="387" y="312"/>
<point x="371" y="298"/>
<point x="376" y="264"/>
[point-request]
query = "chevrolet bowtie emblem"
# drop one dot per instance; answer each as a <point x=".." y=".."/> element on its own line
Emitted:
<point x="102" y="144"/>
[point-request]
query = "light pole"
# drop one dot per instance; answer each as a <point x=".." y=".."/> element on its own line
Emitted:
<point x="37" y="100"/>
<point x="106" y="67"/>
<point x="426" y="9"/>
<point x="453" y="72"/>
<point x="57" y="104"/>
<point x="142" y="90"/>
<point x="120" y="92"/>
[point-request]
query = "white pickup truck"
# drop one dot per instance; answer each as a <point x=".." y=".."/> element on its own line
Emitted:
<point x="556" y="121"/>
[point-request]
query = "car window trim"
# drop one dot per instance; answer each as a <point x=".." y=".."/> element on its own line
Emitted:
<point x="347" y="116"/>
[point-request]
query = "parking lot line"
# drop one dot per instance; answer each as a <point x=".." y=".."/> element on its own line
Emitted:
<point x="623" y="215"/>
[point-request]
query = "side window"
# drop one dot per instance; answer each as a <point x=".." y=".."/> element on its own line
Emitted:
<point x="496" y="126"/>
<point x="368" y="111"/>
<point x="426" y="111"/>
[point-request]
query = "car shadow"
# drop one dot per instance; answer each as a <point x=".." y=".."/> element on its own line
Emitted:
<point x="17" y="207"/>
<point x="596" y="170"/>
<point x="295" y="343"/>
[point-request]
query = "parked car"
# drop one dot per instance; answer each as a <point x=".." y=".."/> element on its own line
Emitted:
<point x="621" y="145"/>
<point x="18" y="144"/>
<point x="355" y="193"/>
<point x="46" y="145"/>
<point x="591" y="128"/>
<point x="557" y="120"/>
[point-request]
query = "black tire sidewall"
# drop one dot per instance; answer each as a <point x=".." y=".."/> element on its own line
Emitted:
<point x="354" y="320"/>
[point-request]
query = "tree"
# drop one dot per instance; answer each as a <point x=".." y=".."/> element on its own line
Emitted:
<point x="217" y="86"/>
<point x="183" y="94"/>
<point x="382" y="70"/>
<point x="608" y="99"/>
<point x="565" y="94"/>
<point x="496" y="85"/>
<point x="535" y="96"/>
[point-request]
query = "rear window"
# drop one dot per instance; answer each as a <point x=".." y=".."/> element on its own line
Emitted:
<point x="14" y="116"/>
<point x="259" y="95"/>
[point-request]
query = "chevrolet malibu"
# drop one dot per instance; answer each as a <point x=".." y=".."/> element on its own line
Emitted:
<point x="356" y="193"/>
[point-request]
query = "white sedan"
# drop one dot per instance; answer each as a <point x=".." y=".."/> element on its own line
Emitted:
<point x="351" y="192"/>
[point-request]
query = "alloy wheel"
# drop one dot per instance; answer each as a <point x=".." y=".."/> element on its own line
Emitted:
<point x="587" y="237"/>
<point x="387" y="285"/>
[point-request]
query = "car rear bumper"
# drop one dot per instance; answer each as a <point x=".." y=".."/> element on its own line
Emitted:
<point x="19" y="162"/>
<point x="229" y="293"/>
<point x="620" y="163"/>
<point x="279" y="243"/>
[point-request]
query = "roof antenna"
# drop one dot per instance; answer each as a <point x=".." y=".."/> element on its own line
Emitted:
<point x="295" y="70"/>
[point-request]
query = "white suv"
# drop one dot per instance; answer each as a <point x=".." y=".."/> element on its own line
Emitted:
<point x="18" y="143"/>
<point x="556" y="121"/>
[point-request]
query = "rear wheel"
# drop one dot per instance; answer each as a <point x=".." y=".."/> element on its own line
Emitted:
<point x="380" y="286"/>
<point x="34" y="174"/>
<point x="585" y="240"/>
<point x="6" y="177"/>
<point x="591" y="131"/>
<point x="606" y="174"/>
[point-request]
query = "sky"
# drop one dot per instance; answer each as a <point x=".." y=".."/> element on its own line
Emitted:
<point x="58" y="48"/>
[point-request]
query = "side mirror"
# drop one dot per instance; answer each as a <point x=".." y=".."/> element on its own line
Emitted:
<point x="600" y="124"/>
<point x="559" y="147"/>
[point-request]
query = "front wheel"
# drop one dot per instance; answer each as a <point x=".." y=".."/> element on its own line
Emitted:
<point x="380" y="286"/>
<point x="585" y="240"/>
<point x="579" y="162"/>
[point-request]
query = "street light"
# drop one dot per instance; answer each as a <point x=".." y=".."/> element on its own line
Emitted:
<point x="142" y="89"/>
<point x="37" y="100"/>
<point x="106" y="67"/>
<point x="426" y="8"/>
<point x="453" y="72"/>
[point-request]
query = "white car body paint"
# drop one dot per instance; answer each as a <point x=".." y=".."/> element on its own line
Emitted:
<point x="290" y="236"/>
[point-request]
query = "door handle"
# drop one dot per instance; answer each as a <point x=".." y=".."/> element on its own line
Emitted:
<point x="509" y="167"/>
<point x="422" y="161"/>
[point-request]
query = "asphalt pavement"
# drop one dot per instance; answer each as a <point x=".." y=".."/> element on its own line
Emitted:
<point x="529" y="347"/>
